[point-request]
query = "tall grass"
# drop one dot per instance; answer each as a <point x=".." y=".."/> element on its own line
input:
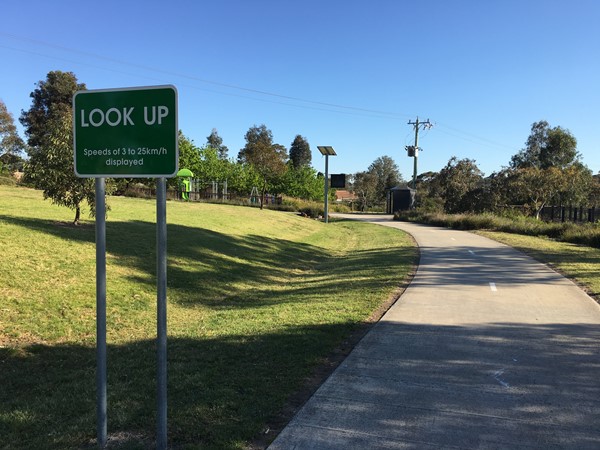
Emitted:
<point x="577" y="233"/>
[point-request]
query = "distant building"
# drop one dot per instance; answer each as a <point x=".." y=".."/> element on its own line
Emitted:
<point x="343" y="195"/>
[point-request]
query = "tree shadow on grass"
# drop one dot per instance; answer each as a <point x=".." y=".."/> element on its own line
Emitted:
<point x="221" y="391"/>
<point x="518" y="384"/>
<point x="206" y="267"/>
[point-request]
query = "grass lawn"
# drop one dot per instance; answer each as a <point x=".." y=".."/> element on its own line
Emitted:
<point x="257" y="300"/>
<point x="580" y="263"/>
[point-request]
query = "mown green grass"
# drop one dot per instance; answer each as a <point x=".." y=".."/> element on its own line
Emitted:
<point x="256" y="300"/>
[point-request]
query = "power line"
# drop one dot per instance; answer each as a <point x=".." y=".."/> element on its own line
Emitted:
<point x="472" y="137"/>
<point x="202" y="80"/>
<point x="306" y="103"/>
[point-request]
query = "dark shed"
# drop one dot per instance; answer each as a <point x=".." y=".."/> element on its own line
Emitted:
<point x="399" y="199"/>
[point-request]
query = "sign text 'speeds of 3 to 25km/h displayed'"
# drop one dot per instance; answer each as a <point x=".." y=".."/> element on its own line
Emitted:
<point x="125" y="133"/>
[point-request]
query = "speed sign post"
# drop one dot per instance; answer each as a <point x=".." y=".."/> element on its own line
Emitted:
<point x="128" y="133"/>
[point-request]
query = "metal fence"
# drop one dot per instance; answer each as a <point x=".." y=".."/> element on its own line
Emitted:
<point x="570" y="214"/>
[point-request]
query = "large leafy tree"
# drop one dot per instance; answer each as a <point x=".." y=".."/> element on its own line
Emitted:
<point x="457" y="181"/>
<point x="303" y="182"/>
<point x="547" y="147"/>
<point x="267" y="158"/>
<point x="386" y="173"/>
<point x="48" y="127"/>
<point x="537" y="186"/>
<point x="594" y="194"/>
<point x="371" y="185"/>
<point x="11" y="144"/>
<point x="215" y="141"/>
<point x="300" y="154"/>
<point x="365" y="187"/>
<point x="548" y="169"/>
<point x="54" y="93"/>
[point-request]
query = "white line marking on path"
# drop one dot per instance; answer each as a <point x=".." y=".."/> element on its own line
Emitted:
<point x="493" y="287"/>
<point x="471" y="252"/>
<point x="500" y="380"/>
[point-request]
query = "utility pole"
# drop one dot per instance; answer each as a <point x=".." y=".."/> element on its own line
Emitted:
<point x="414" y="151"/>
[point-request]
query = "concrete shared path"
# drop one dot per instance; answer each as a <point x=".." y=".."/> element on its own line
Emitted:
<point x="486" y="349"/>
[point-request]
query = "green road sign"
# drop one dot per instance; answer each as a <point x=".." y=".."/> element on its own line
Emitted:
<point x="126" y="133"/>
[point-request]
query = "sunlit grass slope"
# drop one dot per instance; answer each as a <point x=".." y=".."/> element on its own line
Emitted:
<point x="256" y="299"/>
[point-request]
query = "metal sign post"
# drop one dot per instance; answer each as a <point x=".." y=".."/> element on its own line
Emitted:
<point x="128" y="133"/>
<point x="101" y="312"/>
<point x="161" y="312"/>
<point x="327" y="151"/>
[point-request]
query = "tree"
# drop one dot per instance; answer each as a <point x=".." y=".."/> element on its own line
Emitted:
<point x="56" y="92"/>
<point x="538" y="186"/>
<point x="303" y="182"/>
<point x="215" y="141"/>
<point x="300" y="154"/>
<point x="267" y="158"/>
<point x="51" y="167"/>
<point x="594" y="194"/>
<point x="548" y="170"/>
<point x="386" y="174"/>
<point x="560" y="150"/>
<point x="456" y="181"/>
<point x="189" y="153"/>
<point x="11" y="144"/>
<point x="365" y="187"/>
<point x="48" y="126"/>
<point x="547" y="147"/>
<point x="429" y="193"/>
<point x="578" y="184"/>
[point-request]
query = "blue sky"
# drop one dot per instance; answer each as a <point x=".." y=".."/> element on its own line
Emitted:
<point x="349" y="74"/>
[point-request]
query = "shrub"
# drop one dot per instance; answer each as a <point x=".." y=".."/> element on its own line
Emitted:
<point x="312" y="211"/>
<point x="7" y="180"/>
<point x="584" y="234"/>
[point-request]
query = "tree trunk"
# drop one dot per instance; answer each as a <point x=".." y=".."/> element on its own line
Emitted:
<point x="538" y="210"/>
<point x="262" y="195"/>
<point x="77" y="215"/>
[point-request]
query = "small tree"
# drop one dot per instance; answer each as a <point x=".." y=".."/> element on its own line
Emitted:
<point x="215" y="141"/>
<point x="267" y="158"/>
<point x="300" y="154"/>
<point x="51" y="167"/>
<point x="11" y="144"/>
<point x="48" y="126"/>
<point x="189" y="153"/>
